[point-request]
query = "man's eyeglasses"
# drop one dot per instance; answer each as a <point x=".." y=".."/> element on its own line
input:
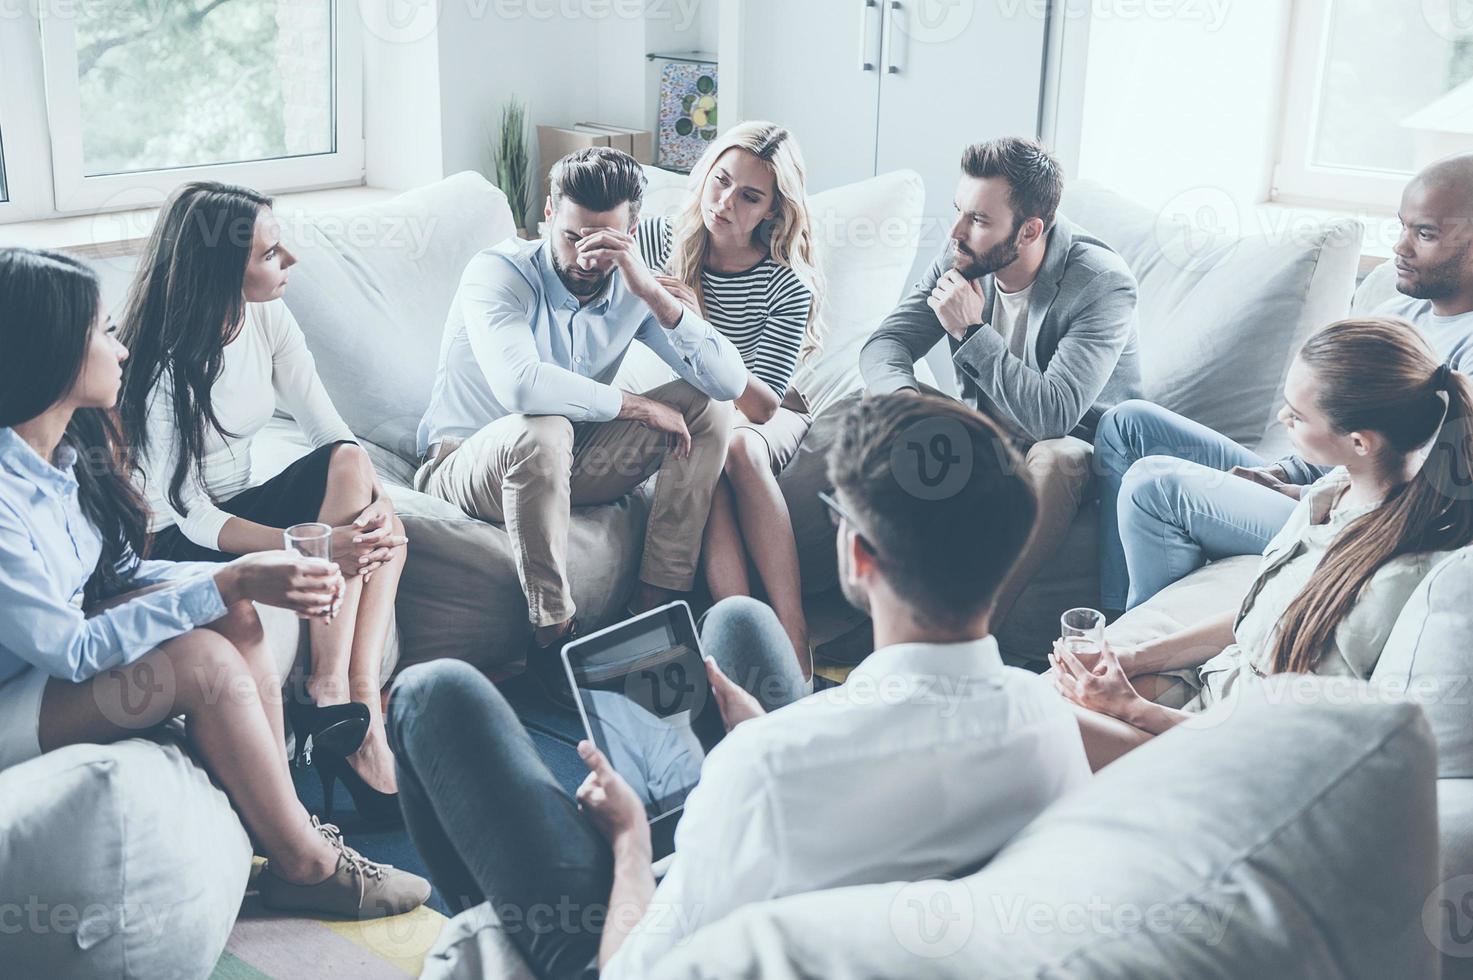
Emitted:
<point x="837" y="513"/>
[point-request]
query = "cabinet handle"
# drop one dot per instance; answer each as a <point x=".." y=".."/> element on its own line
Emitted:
<point x="865" y="9"/>
<point x="891" y="68"/>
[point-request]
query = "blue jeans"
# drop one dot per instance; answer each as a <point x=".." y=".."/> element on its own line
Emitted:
<point x="1168" y="505"/>
<point x="491" y="821"/>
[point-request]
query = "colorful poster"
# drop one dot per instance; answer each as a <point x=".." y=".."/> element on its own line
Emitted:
<point x="687" y="113"/>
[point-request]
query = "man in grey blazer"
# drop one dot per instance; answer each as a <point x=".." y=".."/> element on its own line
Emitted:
<point x="1040" y="319"/>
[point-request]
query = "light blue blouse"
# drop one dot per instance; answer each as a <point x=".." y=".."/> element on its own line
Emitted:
<point x="48" y="551"/>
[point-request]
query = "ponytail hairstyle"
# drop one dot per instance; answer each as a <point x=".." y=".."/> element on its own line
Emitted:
<point x="788" y="235"/>
<point x="1380" y="375"/>
<point x="186" y="303"/>
<point x="48" y="305"/>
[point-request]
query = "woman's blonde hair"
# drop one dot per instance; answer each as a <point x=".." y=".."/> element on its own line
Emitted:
<point x="788" y="234"/>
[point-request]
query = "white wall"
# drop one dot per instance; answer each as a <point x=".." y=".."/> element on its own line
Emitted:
<point x="1175" y="104"/>
<point x="401" y="103"/>
<point x="438" y="73"/>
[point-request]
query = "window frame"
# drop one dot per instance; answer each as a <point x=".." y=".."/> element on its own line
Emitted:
<point x="44" y="110"/>
<point x="1297" y="179"/>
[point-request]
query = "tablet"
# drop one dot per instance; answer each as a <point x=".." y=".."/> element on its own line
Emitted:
<point x="645" y="701"/>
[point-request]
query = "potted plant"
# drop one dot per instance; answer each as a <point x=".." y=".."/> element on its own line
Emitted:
<point x="510" y="162"/>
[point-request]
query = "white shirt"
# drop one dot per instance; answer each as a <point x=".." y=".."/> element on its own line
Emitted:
<point x="517" y="342"/>
<point x="924" y="763"/>
<point x="267" y="364"/>
<point x="1010" y="320"/>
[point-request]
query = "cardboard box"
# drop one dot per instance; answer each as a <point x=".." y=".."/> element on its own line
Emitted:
<point x="556" y="142"/>
<point x="638" y="143"/>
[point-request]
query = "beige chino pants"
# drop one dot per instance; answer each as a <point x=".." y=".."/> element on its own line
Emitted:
<point x="527" y="472"/>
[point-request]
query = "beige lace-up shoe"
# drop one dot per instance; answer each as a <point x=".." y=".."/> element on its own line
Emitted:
<point x="357" y="889"/>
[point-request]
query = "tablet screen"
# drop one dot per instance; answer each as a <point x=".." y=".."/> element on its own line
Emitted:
<point x="647" y="704"/>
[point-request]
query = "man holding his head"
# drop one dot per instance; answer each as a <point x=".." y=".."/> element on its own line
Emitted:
<point x="524" y="421"/>
<point x="1040" y="318"/>
<point x="1167" y="503"/>
<point x="944" y="752"/>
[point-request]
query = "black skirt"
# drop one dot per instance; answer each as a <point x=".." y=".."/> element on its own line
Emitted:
<point x="293" y="496"/>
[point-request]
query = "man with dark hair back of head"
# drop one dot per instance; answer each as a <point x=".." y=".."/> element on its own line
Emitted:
<point x="928" y="758"/>
<point x="524" y="418"/>
<point x="1040" y="319"/>
<point x="1161" y="475"/>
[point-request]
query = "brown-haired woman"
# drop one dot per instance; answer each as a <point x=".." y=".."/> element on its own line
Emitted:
<point x="1370" y="398"/>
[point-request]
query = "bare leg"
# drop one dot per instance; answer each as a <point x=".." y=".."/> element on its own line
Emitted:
<point x="723" y="555"/>
<point x="349" y="490"/>
<point x="767" y="531"/>
<point x="242" y="627"/>
<point x="1106" y="739"/>
<point x="374" y="761"/>
<point x="202" y="676"/>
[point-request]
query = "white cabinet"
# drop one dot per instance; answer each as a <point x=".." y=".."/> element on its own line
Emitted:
<point x="870" y="86"/>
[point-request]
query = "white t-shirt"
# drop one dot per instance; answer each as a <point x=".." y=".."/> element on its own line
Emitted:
<point x="1010" y="320"/>
<point x="267" y="364"/>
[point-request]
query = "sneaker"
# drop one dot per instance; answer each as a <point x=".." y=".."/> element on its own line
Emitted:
<point x="357" y="889"/>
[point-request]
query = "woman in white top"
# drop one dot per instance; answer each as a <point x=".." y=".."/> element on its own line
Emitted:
<point x="96" y="645"/>
<point x="1365" y="395"/>
<point x="741" y="252"/>
<point x="215" y="353"/>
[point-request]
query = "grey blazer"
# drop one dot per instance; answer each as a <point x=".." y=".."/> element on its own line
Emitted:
<point x="1081" y="320"/>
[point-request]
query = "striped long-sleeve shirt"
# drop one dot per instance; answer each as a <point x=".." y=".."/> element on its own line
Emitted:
<point x="763" y="310"/>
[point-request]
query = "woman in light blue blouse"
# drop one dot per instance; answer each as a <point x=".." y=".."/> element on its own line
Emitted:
<point x="97" y="645"/>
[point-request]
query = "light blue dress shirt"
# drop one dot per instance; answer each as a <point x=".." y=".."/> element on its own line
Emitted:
<point x="517" y="342"/>
<point x="48" y="551"/>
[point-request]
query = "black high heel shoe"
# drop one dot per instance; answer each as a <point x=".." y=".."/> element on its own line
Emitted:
<point x="377" y="809"/>
<point x="335" y="730"/>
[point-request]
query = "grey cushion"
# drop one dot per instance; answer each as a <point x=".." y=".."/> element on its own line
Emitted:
<point x="1302" y="843"/>
<point x="1220" y="316"/>
<point x="130" y="860"/>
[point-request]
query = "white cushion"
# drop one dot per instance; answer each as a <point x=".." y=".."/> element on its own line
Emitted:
<point x="1221" y="316"/>
<point x="127" y="855"/>
<point x="1287" y="836"/>
<point x="372" y="288"/>
<point x="1429" y="655"/>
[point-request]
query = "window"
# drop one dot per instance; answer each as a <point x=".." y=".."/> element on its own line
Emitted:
<point x="1376" y="91"/>
<point x="138" y="96"/>
<point x="4" y="193"/>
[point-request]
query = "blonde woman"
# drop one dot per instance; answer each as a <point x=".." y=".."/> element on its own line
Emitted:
<point x="741" y="253"/>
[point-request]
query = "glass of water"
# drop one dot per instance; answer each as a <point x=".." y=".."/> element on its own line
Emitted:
<point x="1083" y="633"/>
<point x="310" y="541"/>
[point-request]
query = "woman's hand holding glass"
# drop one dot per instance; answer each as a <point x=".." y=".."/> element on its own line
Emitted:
<point x="1105" y="687"/>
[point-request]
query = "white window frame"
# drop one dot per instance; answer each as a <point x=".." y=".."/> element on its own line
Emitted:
<point x="1297" y="179"/>
<point x="23" y="120"/>
<point x="44" y="113"/>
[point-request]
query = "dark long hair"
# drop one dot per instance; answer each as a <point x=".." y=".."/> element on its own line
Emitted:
<point x="48" y="304"/>
<point x="185" y="305"/>
<point x="1380" y="375"/>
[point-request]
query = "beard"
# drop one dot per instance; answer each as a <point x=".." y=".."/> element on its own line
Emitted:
<point x="1440" y="281"/>
<point x="578" y="286"/>
<point x="973" y="266"/>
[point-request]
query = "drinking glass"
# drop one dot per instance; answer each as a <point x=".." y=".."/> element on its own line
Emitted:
<point x="1083" y="633"/>
<point x="312" y="541"/>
